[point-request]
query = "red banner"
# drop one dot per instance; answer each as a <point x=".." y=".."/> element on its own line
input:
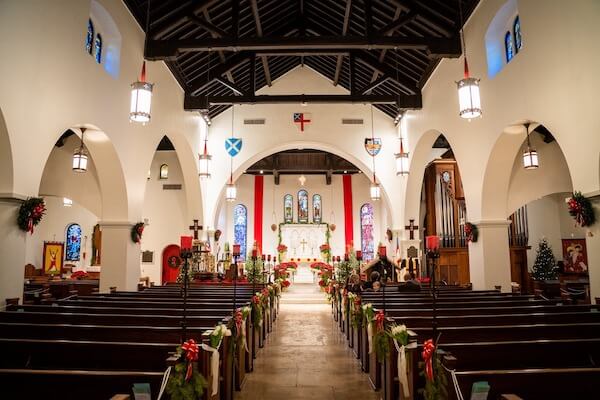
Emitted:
<point x="259" y="186"/>
<point x="348" y="224"/>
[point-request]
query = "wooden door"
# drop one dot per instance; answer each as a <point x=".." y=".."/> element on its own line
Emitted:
<point x="170" y="263"/>
<point x="518" y="266"/>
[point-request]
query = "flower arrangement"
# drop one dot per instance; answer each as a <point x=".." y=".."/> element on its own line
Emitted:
<point x="257" y="310"/>
<point x="136" y="232"/>
<point x="580" y="208"/>
<point x="217" y="335"/>
<point x="281" y="250"/>
<point x="30" y="213"/>
<point x="185" y="382"/>
<point x="356" y="310"/>
<point x="79" y="275"/>
<point x="285" y="284"/>
<point x="471" y="232"/>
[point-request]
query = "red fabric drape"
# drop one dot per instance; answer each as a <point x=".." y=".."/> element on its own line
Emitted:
<point x="259" y="185"/>
<point x="348" y="223"/>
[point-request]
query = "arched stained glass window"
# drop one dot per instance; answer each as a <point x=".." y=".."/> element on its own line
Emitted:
<point x="240" y="228"/>
<point x="89" y="39"/>
<point x="73" y="241"/>
<point x="98" y="49"/>
<point x="303" y="207"/>
<point x="317" y="209"/>
<point x="367" y="242"/>
<point x="288" y="208"/>
<point x="517" y="34"/>
<point x="164" y="172"/>
<point x="508" y="47"/>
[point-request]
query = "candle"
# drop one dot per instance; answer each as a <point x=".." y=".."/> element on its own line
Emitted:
<point x="382" y="251"/>
<point x="268" y="257"/>
<point x="264" y="257"/>
<point x="236" y="250"/>
<point x="358" y="255"/>
<point x="346" y="257"/>
<point x="254" y="253"/>
<point x="186" y="242"/>
<point x="432" y="243"/>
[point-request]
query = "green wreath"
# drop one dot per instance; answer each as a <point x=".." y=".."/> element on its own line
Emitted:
<point x="136" y="232"/>
<point x="30" y="213"/>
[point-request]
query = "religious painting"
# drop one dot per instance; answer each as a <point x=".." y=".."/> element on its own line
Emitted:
<point x="73" y="241"/>
<point x="367" y="240"/>
<point x="574" y="256"/>
<point x="53" y="258"/>
<point x="317" y="212"/>
<point x="303" y="207"/>
<point x="288" y="209"/>
<point x="240" y="231"/>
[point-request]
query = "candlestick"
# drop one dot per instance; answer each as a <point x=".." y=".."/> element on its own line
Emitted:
<point x="382" y="251"/>
<point x="359" y="255"/>
<point x="432" y="243"/>
<point x="236" y="250"/>
<point x="186" y="242"/>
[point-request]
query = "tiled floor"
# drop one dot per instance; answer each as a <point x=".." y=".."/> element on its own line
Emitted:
<point x="306" y="357"/>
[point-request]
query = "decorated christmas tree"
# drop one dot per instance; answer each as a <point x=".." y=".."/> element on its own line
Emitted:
<point x="544" y="267"/>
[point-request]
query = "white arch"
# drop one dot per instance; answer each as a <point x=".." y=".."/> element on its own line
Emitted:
<point x="6" y="160"/>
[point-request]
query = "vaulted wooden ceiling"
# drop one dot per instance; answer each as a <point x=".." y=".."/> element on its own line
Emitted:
<point x="221" y="52"/>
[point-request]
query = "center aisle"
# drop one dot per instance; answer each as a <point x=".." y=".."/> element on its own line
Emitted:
<point x="306" y="357"/>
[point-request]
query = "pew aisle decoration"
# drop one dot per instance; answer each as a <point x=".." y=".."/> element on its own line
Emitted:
<point x="137" y="231"/>
<point x="259" y="301"/>
<point x="399" y="334"/>
<point x="471" y="232"/>
<point x="240" y="317"/>
<point x="580" y="208"/>
<point x="216" y="338"/>
<point x="185" y="382"/>
<point x="369" y="315"/>
<point x="356" y="310"/>
<point x="435" y="378"/>
<point x="30" y="213"/>
<point x="381" y="342"/>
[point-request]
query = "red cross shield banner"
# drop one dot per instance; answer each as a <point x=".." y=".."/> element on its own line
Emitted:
<point x="302" y="119"/>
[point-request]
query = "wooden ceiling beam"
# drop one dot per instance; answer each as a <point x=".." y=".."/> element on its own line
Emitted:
<point x="340" y="59"/>
<point x="259" y="33"/>
<point x="161" y="26"/>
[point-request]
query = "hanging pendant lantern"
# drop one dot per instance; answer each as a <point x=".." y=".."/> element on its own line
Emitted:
<point x="230" y="190"/>
<point x="375" y="189"/>
<point x="80" y="156"/>
<point x="205" y="159"/>
<point x="530" y="156"/>
<point x="401" y="161"/>
<point x="469" y="100"/>
<point x="141" y="99"/>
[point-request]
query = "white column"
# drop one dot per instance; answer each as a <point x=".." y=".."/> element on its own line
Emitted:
<point x="120" y="257"/>
<point x="12" y="251"/>
<point x="489" y="258"/>
<point x="592" y="241"/>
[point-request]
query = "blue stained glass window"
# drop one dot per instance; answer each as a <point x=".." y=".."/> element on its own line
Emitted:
<point x="317" y="211"/>
<point x="508" y="47"/>
<point x="366" y="232"/>
<point x="240" y="228"/>
<point x="89" y="39"/>
<point x="98" y="49"/>
<point x="517" y="33"/>
<point x="73" y="241"/>
<point x="303" y="207"/>
<point x="288" y="208"/>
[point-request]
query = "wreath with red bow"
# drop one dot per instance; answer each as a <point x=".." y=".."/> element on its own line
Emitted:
<point x="580" y="208"/>
<point x="185" y="382"/>
<point x="30" y="213"/>
<point x="471" y="232"/>
<point x="136" y="232"/>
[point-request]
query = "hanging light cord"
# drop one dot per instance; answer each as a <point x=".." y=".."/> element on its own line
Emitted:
<point x="373" y="143"/>
<point x="231" y="157"/>
<point x="527" y="132"/>
<point x="462" y="38"/>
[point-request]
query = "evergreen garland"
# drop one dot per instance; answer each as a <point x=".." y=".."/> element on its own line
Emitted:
<point x="580" y="208"/>
<point x="254" y="270"/>
<point x="544" y="267"/>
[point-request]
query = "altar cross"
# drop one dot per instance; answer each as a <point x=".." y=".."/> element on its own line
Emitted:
<point x="196" y="228"/>
<point x="411" y="227"/>
<point x="303" y="242"/>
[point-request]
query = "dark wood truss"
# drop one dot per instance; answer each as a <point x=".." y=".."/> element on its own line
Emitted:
<point x="223" y="51"/>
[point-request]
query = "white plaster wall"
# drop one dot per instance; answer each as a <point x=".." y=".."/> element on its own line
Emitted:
<point x="165" y="211"/>
<point x="53" y="228"/>
<point x="332" y="202"/>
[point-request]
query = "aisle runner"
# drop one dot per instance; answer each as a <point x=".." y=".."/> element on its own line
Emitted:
<point x="304" y="275"/>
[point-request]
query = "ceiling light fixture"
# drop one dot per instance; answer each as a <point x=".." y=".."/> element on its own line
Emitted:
<point x="469" y="99"/>
<point x="530" y="156"/>
<point x="80" y="157"/>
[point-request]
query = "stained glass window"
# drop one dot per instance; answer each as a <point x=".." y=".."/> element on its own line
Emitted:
<point x="98" y="49"/>
<point x="288" y="208"/>
<point x="303" y="207"/>
<point x="164" y="172"/>
<point x="317" y="212"/>
<point x="508" y="46"/>
<point x="240" y="225"/>
<point x="517" y="33"/>
<point x="89" y="39"/>
<point x="366" y="232"/>
<point x="73" y="241"/>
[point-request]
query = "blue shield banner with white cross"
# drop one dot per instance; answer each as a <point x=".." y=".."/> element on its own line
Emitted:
<point x="233" y="146"/>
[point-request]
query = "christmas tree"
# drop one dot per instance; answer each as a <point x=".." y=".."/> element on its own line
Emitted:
<point x="544" y="267"/>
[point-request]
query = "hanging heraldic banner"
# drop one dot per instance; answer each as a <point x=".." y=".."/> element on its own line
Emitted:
<point x="373" y="146"/>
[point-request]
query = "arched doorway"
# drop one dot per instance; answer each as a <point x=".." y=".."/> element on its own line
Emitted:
<point x="170" y="263"/>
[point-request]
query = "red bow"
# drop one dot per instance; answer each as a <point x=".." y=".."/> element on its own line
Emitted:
<point x="238" y="317"/>
<point x="379" y="320"/>
<point x="191" y="354"/>
<point x="427" y="354"/>
<point x="255" y="299"/>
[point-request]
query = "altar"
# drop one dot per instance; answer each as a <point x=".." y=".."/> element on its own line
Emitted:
<point x="303" y="240"/>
